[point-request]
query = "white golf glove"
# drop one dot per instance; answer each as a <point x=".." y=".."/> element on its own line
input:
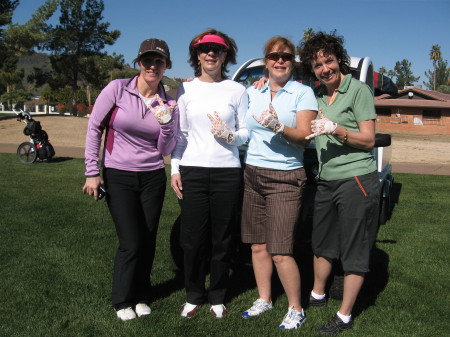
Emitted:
<point x="269" y="119"/>
<point x="220" y="129"/>
<point x="322" y="126"/>
<point x="162" y="112"/>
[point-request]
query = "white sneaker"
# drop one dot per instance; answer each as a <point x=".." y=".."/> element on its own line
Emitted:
<point x="293" y="319"/>
<point x="218" y="310"/>
<point x="142" y="309"/>
<point x="259" y="306"/>
<point x="188" y="310"/>
<point x="126" y="314"/>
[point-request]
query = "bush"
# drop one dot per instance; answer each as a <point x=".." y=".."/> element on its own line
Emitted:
<point x="82" y="109"/>
<point x="62" y="108"/>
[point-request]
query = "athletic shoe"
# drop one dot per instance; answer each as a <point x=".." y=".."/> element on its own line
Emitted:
<point x="142" y="309"/>
<point x="293" y="319"/>
<point x="126" y="314"/>
<point x="334" y="326"/>
<point x="314" y="302"/>
<point x="258" y="307"/>
<point x="218" y="310"/>
<point x="188" y="310"/>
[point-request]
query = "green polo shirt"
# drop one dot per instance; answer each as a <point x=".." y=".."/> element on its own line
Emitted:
<point x="353" y="104"/>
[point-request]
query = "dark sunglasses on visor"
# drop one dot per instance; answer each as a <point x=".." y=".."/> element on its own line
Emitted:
<point x="284" y="56"/>
<point x="207" y="47"/>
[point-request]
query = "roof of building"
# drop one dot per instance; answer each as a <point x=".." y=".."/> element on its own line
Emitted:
<point x="414" y="97"/>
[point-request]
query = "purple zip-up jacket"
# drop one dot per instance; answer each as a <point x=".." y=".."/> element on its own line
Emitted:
<point x="135" y="141"/>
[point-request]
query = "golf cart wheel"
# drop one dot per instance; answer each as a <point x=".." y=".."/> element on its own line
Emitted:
<point x="26" y="152"/>
<point x="385" y="205"/>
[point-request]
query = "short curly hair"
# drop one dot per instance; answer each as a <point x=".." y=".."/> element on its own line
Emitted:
<point x="231" y="52"/>
<point x="330" y="44"/>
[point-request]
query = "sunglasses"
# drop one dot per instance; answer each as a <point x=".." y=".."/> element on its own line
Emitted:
<point x="215" y="48"/>
<point x="155" y="60"/>
<point x="277" y="55"/>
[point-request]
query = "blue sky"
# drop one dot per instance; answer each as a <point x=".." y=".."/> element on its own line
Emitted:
<point x="385" y="30"/>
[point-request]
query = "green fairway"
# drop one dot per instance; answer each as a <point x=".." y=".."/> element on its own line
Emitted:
<point x="57" y="248"/>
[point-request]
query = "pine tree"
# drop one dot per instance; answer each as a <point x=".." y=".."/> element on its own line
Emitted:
<point x="77" y="42"/>
<point x="17" y="40"/>
<point x="404" y="74"/>
<point x="438" y="76"/>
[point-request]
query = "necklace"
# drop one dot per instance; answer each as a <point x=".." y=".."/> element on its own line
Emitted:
<point x="274" y="90"/>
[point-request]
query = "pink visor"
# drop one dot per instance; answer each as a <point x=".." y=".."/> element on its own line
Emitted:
<point x="210" y="38"/>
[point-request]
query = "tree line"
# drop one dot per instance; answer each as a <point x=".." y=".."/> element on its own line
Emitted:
<point x="438" y="77"/>
<point x="80" y="67"/>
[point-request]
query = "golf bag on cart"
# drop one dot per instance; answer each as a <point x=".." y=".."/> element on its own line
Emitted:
<point x="38" y="147"/>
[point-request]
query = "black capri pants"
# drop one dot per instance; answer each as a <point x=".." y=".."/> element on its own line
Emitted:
<point x="346" y="220"/>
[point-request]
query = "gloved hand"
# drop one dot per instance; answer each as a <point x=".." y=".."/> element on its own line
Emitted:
<point x="269" y="119"/>
<point x="220" y="129"/>
<point x="162" y="112"/>
<point x="322" y="126"/>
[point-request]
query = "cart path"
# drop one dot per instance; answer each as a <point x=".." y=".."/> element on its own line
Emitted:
<point x="78" y="152"/>
<point x="61" y="151"/>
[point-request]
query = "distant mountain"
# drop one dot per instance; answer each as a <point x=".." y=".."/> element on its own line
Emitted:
<point x="35" y="60"/>
<point x="42" y="61"/>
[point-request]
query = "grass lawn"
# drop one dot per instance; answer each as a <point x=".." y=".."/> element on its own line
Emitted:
<point x="57" y="248"/>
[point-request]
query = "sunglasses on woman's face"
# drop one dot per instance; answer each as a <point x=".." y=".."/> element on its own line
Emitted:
<point x="284" y="56"/>
<point x="205" y="48"/>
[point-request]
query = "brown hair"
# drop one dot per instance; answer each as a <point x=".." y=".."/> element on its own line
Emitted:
<point x="231" y="52"/>
<point x="330" y="44"/>
<point x="280" y="43"/>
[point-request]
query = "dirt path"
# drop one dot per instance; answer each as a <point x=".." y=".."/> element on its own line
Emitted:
<point x="421" y="149"/>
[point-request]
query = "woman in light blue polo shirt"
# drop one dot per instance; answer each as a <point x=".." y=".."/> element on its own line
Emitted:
<point x="279" y="119"/>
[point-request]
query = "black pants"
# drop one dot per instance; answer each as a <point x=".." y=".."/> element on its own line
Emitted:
<point x="208" y="214"/>
<point x="135" y="201"/>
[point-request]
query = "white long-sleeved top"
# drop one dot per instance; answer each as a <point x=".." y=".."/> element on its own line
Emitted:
<point x="196" y="145"/>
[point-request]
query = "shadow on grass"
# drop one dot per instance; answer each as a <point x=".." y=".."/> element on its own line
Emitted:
<point x="54" y="160"/>
<point x="395" y="197"/>
<point x="375" y="282"/>
<point x="59" y="159"/>
<point x="165" y="289"/>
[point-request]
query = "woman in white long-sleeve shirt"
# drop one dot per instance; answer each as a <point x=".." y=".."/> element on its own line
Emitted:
<point x="206" y="171"/>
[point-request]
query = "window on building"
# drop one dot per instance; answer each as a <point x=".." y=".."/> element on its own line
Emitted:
<point x="431" y="114"/>
<point x="431" y="117"/>
<point x="383" y="112"/>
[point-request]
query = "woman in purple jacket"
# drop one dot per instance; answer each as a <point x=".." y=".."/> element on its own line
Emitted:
<point x="141" y="124"/>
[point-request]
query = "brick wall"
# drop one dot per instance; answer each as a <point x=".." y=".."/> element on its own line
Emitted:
<point x="402" y="120"/>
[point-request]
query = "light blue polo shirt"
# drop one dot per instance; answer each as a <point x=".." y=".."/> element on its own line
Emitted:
<point x="265" y="148"/>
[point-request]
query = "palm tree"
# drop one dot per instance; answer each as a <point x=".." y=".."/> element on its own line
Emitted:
<point x="435" y="55"/>
<point x="391" y="73"/>
<point x="382" y="71"/>
<point x="308" y="33"/>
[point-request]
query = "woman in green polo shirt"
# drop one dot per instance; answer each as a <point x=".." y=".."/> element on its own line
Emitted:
<point x="347" y="198"/>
